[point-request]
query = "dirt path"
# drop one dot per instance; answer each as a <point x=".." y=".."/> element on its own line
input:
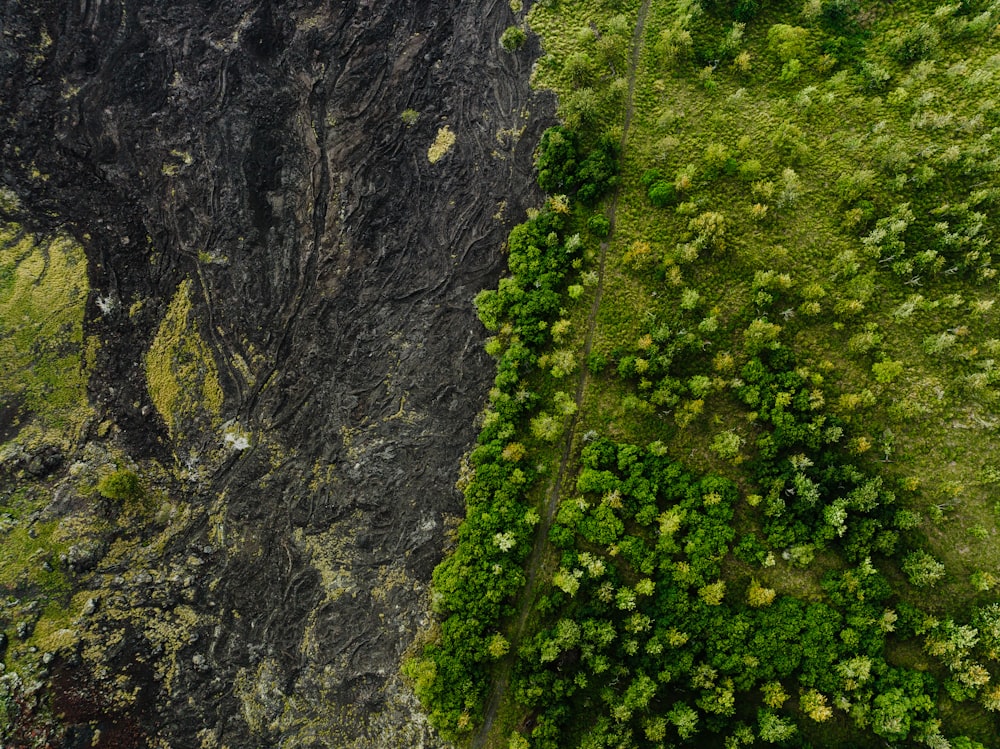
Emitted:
<point x="482" y="738"/>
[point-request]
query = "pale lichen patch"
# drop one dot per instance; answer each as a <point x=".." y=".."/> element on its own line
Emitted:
<point x="442" y="144"/>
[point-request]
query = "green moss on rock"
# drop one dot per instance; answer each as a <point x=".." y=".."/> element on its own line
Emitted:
<point x="43" y="289"/>
<point x="181" y="375"/>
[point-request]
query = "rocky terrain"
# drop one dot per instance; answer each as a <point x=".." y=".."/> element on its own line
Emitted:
<point x="286" y="209"/>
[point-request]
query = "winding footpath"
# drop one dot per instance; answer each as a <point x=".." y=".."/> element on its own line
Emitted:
<point x="483" y="738"/>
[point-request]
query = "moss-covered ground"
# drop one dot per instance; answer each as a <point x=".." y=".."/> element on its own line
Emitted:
<point x="43" y="288"/>
<point x="43" y="412"/>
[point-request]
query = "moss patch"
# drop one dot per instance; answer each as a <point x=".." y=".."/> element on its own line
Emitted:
<point x="43" y="289"/>
<point x="181" y="375"/>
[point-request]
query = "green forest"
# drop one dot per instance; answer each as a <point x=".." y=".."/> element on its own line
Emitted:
<point x="737" y="482"/>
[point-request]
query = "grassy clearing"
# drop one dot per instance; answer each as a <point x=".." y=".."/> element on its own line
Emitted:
<point x="846" y="146"/>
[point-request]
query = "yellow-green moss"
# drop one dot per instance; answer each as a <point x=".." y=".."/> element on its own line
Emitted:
<point x="180" y="372"/>
<point x="55" y="631"/>
<point x="43" y="289"/>
<point x="23" y="554"/>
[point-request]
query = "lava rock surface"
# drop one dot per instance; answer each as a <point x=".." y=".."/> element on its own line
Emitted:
<point x="258" y="149"/>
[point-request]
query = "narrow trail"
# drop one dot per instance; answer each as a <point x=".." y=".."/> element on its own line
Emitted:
<point x="501" y="683"/>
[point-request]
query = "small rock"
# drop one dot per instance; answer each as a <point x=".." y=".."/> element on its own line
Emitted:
<point x="45" y="462"/>
<point x="89" y="607"/>
<point x="24" y="630"/>
<point x="84" y="556"/>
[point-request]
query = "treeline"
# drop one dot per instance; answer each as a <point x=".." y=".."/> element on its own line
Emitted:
<point x="474" y="588"/>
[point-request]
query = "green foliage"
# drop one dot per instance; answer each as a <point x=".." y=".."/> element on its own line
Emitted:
<point x="772" y="729"/>
<point x="746" y="10"/>
<point x="916" y="43"/>
<point x="181" y="375"/>
<point x="727" y="445"/>
<point x="122" y="486"/>
<point x="874" y="78"/>
<point x="761" y="334"/>
<point x="787" y="42"/>
<point x="564" y="166"/>
<point x="750" y="170"/>
<point x="475" y="586"/>
<point x="662" y="193"/>
<point x="599" y="226"/>
<point x="922" y="569"/>
<point x="513" y="38"/>
<point x="556" y="160"/>
<point x="43" y="291"/>
<point x="840" y="15"/>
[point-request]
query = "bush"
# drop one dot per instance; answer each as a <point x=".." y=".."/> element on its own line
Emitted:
<point x="125" y="488"/>
<point x="513" y="38"/>
<point x="787" y="42"/>
<point x="662" y="193"/>
<point x="122" y="486"/>
<point x="922" y="569"/>
<point x="650" y="177"/>
<point x="746" y="10"/>
<point x="599" y="225"/>
<point x="840" y="14"/>
<point x="598" y="172"/>
<point x="874" y="78"/>
<point x="710" y="230"/>
<point x="916" y="44"/>
<point x="596" y="362"/>
<point x="579" y="68"/>
<point x="556" y="160"/>
<point x="727" y="445"/>
<point x="750" y="170"/>
<point x="563" y="167"/>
